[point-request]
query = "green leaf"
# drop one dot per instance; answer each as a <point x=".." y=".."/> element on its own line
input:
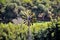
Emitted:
<point x="3" y="1"/>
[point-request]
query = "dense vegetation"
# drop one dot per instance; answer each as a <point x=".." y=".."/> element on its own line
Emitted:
<point x="38" y="10"/>
<point x="19" y="17"/>
<point x="39" y="31"/>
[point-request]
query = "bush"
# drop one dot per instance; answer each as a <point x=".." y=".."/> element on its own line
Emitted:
<point x="20" y="32"/>
<point x="13" y="32"/>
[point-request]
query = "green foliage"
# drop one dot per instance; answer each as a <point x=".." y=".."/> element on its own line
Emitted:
<point x="20" y="32"/>
<point x="24" y="8"/>
<point x="3" y="1"/>
<point x="26" y="1"/>
<point x="28" y="5"/>
<point x="13" y="32"/>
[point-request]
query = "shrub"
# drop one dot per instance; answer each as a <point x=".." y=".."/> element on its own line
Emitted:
<point x="20" y="32"/>
<point x="13" y="32"/>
